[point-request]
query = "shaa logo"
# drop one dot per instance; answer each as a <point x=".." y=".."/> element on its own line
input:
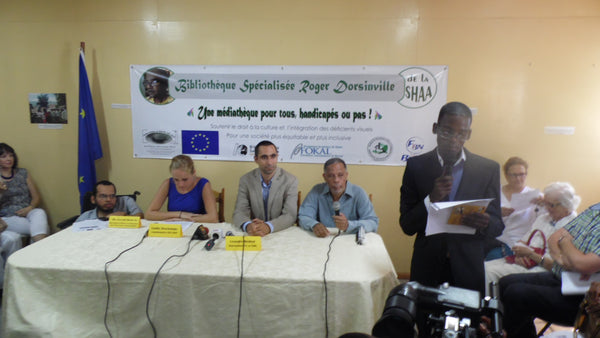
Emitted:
<point x="420" y="88"/>
<point x="379" y="148"/>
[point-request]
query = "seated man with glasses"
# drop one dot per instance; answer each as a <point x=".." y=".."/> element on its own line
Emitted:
<point x="450" y="173"/>
<point x="107" y="204"/>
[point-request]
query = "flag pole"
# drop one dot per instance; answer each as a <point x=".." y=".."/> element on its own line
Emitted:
<point x="82" y="46"/>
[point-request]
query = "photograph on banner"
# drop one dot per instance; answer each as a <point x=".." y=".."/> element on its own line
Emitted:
<point x="377" y="115"/>
<point x="48" y="108"/>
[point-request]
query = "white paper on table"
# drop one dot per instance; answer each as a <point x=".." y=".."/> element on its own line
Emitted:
<point x="184" y="225"/>
<point x="571" y="283"/>
<point x="523" y="201"/>
<point x="440" y="212"/>
<point x="89" y="225"/>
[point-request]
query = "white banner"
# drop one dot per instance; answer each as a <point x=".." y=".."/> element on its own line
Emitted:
<point x="364" y="114"/>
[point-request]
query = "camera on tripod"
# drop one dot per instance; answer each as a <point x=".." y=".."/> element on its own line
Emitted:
<point x="444" y="311"/>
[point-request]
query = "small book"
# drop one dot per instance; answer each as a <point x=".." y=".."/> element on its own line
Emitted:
<point x="459" y="211"/>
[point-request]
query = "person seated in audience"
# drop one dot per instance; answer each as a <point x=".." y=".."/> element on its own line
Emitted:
<point x="560" y="204"/>
<point x="355" y="209"/>
<point x="19" y="198"/>
<point x="575" y="248"/>
<point x="191" y="198"/>
<point x="516" y="222"/>
<point x="267" y="199"/>
<point x="108" y="204"/>
<point x="9" y="243"/>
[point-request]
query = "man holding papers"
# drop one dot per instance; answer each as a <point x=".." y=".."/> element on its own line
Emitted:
<point x="450" y="173"/>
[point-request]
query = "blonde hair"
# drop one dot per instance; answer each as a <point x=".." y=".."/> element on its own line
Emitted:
<point x="182" y="162"/>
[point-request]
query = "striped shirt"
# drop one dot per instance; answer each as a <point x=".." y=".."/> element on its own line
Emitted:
<point x="585" y="230"/>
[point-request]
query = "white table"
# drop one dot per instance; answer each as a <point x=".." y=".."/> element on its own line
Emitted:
<point x="57" y="288"/>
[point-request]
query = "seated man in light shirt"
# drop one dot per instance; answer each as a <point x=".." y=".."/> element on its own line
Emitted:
<point x="108" y="204"/>
<point x="317" y="211"/>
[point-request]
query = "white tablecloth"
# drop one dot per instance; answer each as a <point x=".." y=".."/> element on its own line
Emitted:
<point x="57" y="287"/>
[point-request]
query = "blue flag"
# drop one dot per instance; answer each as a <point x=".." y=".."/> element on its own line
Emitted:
<point x="203" y="142"/>
<point x="90" y="148"/>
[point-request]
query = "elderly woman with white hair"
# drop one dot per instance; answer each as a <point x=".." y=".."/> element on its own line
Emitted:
<point x="560" y="204"/>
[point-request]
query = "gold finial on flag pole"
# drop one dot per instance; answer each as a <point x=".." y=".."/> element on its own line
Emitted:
<point x="82" y="46"/>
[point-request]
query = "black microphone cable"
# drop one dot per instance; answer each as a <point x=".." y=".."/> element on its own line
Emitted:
<point x="108" y="280"/>
<point x="154" y="282"/>
<point x="241" y="283"/>
<point x="325" y="283"/>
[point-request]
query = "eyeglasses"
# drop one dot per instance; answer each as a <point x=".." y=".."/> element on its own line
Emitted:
<point x="152" y="83"/>
<point x="447" y="133"/>
<point x="519" y="175"/>
<point x="106" y="197"/>
<point x="551" y="205"/>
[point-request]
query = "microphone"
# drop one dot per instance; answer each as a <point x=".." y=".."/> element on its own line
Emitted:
<point x="447" y="169"/>
<point x="449" y="161"/>
<point x="201" y="233"/>
<point x="217" y="233"/>
<point x="336" y="207"/>
<point x="360" y="235"/>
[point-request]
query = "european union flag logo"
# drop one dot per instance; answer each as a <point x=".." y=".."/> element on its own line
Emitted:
<point x="200" y="142"/>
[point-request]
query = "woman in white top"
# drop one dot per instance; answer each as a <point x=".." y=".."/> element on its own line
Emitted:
<point x="516" y="221"/>
<point x="560" y="204"/>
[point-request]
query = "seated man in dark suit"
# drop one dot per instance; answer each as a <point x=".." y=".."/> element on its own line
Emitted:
<point x="450" y="173"/>
<point x="108" y="204"/>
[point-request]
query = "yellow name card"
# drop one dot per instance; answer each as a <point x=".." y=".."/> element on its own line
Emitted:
<point x="165" y="230"/>
<point x="127" y="222"/>
<point x="246" y="243"/>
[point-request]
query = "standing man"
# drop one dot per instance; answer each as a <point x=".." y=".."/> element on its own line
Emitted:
<point x="108" y="204"/>
<point x="267" y="199"/>
<point x="450" y="173"/>
<point x="318" y="213"/>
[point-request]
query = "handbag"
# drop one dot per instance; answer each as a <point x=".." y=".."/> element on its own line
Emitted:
<point x="530" y="263"/>
<point x="587" y="321"/>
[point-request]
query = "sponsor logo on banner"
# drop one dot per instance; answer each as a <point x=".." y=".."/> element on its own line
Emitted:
<point x="159" y="137"/>
<point x="301" y="150"/>
<point x="420" y="88"/>
<point x="415" y="145"/>
<point x="200" y="142"/>
<point x="241" y="150"/>
<point x="379" y="148"/>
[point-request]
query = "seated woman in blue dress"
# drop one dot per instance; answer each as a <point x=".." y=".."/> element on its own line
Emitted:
<point x="190" y="197"/>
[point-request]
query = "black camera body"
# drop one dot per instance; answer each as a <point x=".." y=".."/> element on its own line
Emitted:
<point x="444" y="311"/>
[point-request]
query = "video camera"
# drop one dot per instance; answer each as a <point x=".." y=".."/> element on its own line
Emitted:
<point x="445" y="311"/>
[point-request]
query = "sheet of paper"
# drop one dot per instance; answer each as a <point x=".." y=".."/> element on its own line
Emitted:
<point x="523" y="201"/>
<point x="440" y="212"/>
<point x="89" y="225"/>
<point x="184" y="225"/>
<point x="572" y="284"/>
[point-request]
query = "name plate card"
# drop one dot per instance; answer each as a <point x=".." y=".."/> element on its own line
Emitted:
<point x="126" y="222"/>
<point x="246" y="243"/>
<point x="165" y="230"/>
